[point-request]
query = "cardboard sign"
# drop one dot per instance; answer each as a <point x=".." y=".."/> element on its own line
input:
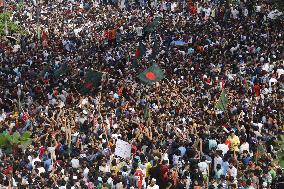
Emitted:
<point x="122" y="149"/>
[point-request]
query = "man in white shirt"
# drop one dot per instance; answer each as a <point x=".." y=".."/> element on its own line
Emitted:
<point x="279" y="72"/>
<point x="33" y="160"/>
<point x="217" y="160"/>
<point x="174" y="5"/>
<point x="153" y="184"/>
<point x="207" y="12"/>
<point x="235" y="13"/>
<point x="2" y="116"/>
<point x="223" y="147"/>
<point x="232" y="171"/>
<point x="244" y="146"/>
<point x="86" y="172"/>
<point x="139" y="31"/>
<point x="203" y="165"/>
<point x="40" y="168"/>
<point x="75" y="163"/>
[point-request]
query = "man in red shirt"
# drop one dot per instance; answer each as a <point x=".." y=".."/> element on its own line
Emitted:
<point x="139" y="174"/>
<point x="8" y="169"/>
<point x="164" y="169"/>
<point x="256" y="89"/>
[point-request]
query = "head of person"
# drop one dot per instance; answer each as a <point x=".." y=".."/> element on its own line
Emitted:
<point x="232" y="133"/>
<point x="153" y="181"/>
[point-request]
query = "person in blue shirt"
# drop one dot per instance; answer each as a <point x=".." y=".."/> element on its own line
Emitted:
<point x="190" y="51"/>
<point x="182" y="150"/>
<point x="48" y="163"/>
<point x="246" y="158"/>
<point x="225" y="166"/>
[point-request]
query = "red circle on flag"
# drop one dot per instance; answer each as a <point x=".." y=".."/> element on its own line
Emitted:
<point x="150" y="76"/>
<point x="89" y="85"/>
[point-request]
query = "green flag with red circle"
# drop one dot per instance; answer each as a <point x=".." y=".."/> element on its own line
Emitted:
<point x="92" y="81"/>
<point x="152" y="74"/>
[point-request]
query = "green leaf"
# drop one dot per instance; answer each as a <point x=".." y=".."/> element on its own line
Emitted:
<point x="3" y="140"/>
<point x="24" y="144"/>
<point x="11" y="26"/>
<point x="16" y="135"/>
<point x="281" y="163"/>
<point x="25" y="136"/>
<point x="14" y="139"/>
<point x="9" y="137"/>
<point x="280" y="154"/>
<point x="8" y="150"/>
<point x="222" y="103"/>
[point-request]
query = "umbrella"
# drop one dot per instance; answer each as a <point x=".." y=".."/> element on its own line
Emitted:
<point x="179" y="43"/>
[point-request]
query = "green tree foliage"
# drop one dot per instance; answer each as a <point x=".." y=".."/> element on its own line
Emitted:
<point x="280" y="150"/>
<point x="8" y="141"/>
<point x="11" y="26"/>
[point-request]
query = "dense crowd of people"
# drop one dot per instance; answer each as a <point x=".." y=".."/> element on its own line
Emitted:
<point x="184" y="141"/>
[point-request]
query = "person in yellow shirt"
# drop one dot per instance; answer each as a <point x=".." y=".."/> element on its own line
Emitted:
<point x="114" y="166"/>
<point x="148" y="167"/>
<point x="234" y="141"/>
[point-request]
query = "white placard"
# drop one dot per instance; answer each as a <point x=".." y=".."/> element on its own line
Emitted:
<point x="122" y="149"/>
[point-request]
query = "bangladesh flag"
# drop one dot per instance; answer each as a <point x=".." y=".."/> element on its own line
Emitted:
<point x="222" y="102"/>
<point x="140" y="51"/>
<point x="152" y="75"/>
<point x="92" y="80"/>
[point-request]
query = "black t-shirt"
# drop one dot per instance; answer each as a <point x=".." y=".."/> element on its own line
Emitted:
<point x="155" y="172"/>
<point x="191" y="152"/>
<point x="196" y="176"/>
<point x="181" y="186"/>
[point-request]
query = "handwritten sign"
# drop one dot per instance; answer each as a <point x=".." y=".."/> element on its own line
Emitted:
<point x="122" y="149"/>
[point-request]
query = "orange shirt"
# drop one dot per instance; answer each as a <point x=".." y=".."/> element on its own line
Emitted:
<point x="256" y="90"/>
<point x="200" y="48"/>
<point x="228" y="143"/>
<point x="175" y="177"/>
<point x="112" y="34"/>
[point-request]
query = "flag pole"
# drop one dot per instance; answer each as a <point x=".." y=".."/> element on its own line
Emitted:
<point x="37" y="20"/>
<point x="200" y="147"/>
<point x="6" y="24"/>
